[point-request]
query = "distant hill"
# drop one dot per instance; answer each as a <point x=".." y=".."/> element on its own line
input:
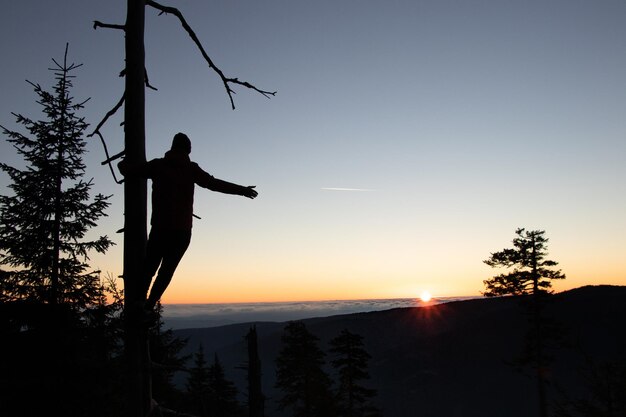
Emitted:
<point x="450" y="359"/>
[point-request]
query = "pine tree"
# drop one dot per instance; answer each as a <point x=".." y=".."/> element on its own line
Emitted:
<point x="532" y="273"/>
<point x="300" y="375"/>
<point x="198" y="387"/>
<point x="222" y="399"/>
<point x="353" y="399"/>
<point x="532" y="276"/>
<point x="165" y="355"/>
<point x="43" y="226"/>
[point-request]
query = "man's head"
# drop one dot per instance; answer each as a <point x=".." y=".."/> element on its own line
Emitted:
<point x="181" y="143"/>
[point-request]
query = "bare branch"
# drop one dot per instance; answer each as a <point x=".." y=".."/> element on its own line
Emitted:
<point x="109" y="114"/>
<point x="147" y="82"/>
<point x="97" y="24"/>
<point x="106" y="150"/>
<point x="109" y="159"/>
<point x="113" y="158"/>
<point x="225" y="80"/>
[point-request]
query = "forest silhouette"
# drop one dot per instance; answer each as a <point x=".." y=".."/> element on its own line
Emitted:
<point x="463" y="357"/>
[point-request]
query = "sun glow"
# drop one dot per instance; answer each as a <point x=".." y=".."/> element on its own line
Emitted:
<point x="425" y="296"/>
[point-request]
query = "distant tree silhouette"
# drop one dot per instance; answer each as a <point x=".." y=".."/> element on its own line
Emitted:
<point x="300" y="375"/>
<point x="44" y="224"/>
<point x="532" y="273"/>
<point x="531" y="276"/>
<point x="256" y="399"/>
<point x="198" y="385"/>
<point x="351" y="360"/>
<point x="166" y="359"/>
<point x="98" y="356"/>
<point x="222" y="399"/>
<point x="605" y="395"/>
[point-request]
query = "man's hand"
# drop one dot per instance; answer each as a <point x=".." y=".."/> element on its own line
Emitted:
<point x="249" y="191"/>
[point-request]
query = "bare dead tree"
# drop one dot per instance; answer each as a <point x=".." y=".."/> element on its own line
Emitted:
<point x="139" y="401"/>
<point x="225" y="80"/>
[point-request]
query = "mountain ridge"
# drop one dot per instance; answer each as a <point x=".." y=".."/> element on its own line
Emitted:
<point x="450" y="359"/>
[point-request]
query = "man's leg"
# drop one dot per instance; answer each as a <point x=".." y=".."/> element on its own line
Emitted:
<point x="175" y="246"/>
<point x="155" y="250"/>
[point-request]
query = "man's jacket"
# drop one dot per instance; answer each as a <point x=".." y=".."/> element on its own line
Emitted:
<point x="173" y="179"/>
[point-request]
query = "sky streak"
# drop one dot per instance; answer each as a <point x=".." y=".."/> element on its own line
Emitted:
<point x="346" y="189"/>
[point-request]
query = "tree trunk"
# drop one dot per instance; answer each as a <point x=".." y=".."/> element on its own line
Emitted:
<point x="255" y="393"/>
<point x="136" y="344"/>
<point x="539" y="361"/>
<point x="56" y="228"/>
<point x="538" y="330"/>
<point x="58" y="213"/>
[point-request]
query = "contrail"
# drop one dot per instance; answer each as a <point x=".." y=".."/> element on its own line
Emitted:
<point x="346" y="189"/>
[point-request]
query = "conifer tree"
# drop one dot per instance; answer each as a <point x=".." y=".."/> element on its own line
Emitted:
<point x="43" y="225"/>
<point x="165" y="355"/>
<point x="222" y="400"/>
<point x="531" y="276"/>
<point x="353" y="399"/>
<point x="198" y="384"/>
<point x="532" y="273"/>
<point x="300" y="375"/>
<point x="62" y="337"/>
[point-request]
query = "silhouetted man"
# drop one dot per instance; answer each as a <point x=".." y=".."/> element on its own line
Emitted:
<point x="173" y="180"/>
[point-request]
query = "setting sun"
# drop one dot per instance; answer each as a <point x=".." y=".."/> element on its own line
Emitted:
<point x="425" y="296"/>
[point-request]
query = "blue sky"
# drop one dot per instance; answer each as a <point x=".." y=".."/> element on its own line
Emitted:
<point x="463" y="120"/>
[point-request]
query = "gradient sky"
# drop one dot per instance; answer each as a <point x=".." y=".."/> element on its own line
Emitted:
<point x="408" y="139"/>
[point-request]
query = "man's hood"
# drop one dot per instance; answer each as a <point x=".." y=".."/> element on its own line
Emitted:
<point x="176" y="157"/>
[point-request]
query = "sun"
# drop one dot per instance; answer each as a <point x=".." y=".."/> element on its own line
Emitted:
<point x="425" y="296"/>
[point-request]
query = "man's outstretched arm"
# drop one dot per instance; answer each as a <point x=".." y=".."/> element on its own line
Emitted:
<point x="205" y="180"/>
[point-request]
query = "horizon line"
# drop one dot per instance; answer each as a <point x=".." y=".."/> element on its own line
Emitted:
<point x="443" y="297"/>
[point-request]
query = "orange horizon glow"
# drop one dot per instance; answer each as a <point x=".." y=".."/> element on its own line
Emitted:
<point x="178" y="295"/>
<point x="215" y="280"/>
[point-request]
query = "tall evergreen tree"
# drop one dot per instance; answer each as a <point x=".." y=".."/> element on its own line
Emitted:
<point x="198" y="386"/>
<point x="351" y="359"/>
<point x="531" y="276"/>
<point x="166" y="359"/>
<point x="300" y="375"/>
<point x="532" y="273"/>
<point x="222" y="400"/>
<point x="43" y="226"/>
<point x="63" y="342"/>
